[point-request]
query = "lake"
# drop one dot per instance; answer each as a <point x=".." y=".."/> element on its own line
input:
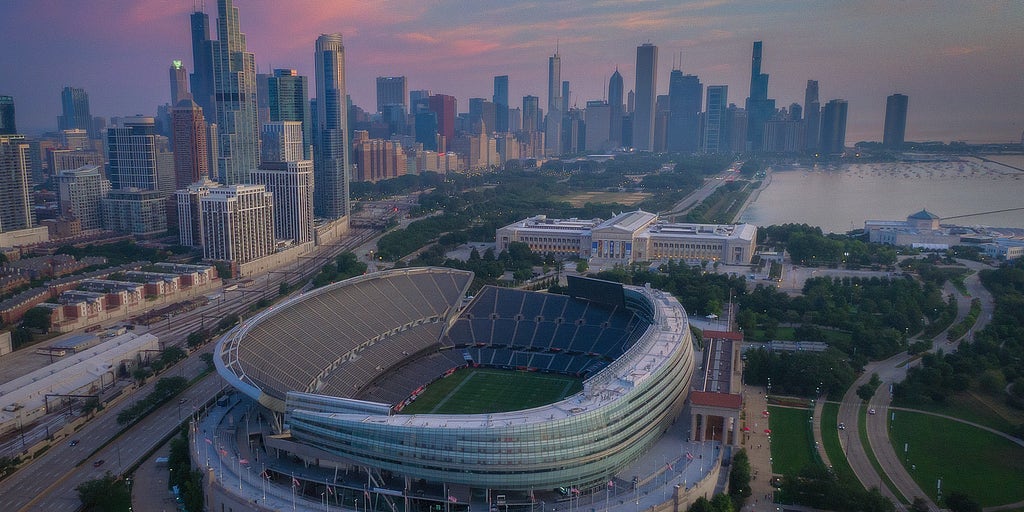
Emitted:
<point x="841" y="198"/>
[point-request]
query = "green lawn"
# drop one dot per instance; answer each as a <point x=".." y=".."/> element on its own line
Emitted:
<point x="792" y="440"/>
<point x="987" y="467"/>
<point x="830" y="437"/>
<point x="479" y="390"/>
<point x="976" y="407"/>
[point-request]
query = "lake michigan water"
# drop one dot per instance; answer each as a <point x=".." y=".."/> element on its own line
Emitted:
<point x="841" y="198"/>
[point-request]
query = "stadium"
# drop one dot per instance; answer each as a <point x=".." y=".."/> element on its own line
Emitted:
<point x="343" y="373"/>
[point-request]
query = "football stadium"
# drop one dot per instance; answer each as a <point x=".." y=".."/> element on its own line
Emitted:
<point x="401" y="379"/>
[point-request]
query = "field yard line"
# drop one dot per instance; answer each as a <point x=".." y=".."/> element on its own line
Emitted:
<point x="565" y="388"/>
<point x="451" y="393"/>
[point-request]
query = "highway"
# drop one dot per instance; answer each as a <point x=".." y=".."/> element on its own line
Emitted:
<point x="49" y="482"/>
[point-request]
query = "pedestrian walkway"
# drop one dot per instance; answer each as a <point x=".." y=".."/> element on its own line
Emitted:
<point x="758" y="445"/>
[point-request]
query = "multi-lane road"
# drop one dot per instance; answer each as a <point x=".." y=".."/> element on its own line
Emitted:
<point x="49" y="482"/>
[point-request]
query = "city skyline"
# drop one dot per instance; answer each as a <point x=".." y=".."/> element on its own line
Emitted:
<point x="871" y="51"/>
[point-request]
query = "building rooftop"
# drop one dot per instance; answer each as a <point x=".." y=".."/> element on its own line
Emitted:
<point x="628" y="221"/>
<point x="924" y="215"/>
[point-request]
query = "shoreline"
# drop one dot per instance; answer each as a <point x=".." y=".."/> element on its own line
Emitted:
<point x="753" y="195"/>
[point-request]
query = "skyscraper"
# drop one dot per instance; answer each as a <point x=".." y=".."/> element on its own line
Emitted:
<point x="15" y="199"/>
<point x="500" y="100"/>
<point x="202" y="64"/>
<point x="615" y="108"/>
<point x="237" y="223"/>
<point x="759" y="108"/>
<point x="289" y="101"/>
<point x="445" y="107"/>
<point x="80" y="192"/>
<point x="715" y="136"/>
<point x="7" y="124"/>
<point x="75" y="110"/>
<point x="646" y="95"/>
<point x="598" y="117"/>
<point x="289" y="178"/>
<point x="191" y="151"/>
<point x="812" y="116"/>
<point x="833" y="127"/>
<point x="684" y="97"/>
<point x="895" y="121"/>
<point x="391" y="90"/>
<point x="132" y="154"/>
<point x="331" y="171"/>
<point x="531" y="113"/>
<point x="179" y="82"/>
<point x="553" y="122"/>
<point x="234" y="85"/>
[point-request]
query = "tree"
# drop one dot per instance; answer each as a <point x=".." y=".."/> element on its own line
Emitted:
<point x="171" y="355"/>
<point x="104" y="494"/>
<point x="919" y="505"/>
<point x="283" y="289"/>
<point x="582" y="266"/>
<point x="739" y="479"/>
<point x="960" y="502"/>
<point x="195" y="339"/>
<point x="37" y="318"/>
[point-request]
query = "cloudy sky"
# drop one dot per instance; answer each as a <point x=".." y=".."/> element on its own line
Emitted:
<point x="961" y="63"/>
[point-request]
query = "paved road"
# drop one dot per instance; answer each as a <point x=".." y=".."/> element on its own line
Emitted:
<point x="697" y="196"/>
<point x="891" y="371"/>
<point x="49" y="482"/>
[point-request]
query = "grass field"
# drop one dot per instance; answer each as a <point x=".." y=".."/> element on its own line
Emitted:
<point x="792" y="440"/>
<point x="480" y="390"/>
<point x="987" y="467"/>
<point x="626" y="198"/>
<point x="972" y="406"/>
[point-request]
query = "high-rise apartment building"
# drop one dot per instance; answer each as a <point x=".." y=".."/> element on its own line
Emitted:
<point x="179" y="82"/>
<point x="190" y="213"/>
<point x="238" y="223"/>
<point x="132" y="154"/>
<point x="135" y="212"/>
<point x="646" y="95"/>
<point x="281" y="141"/>
<point x="482" y="113"/>
<point x="391" y="90"/>
<point x="759" y="108"/>
<point x="833" y="127"/>
<point x="895" y="121"/>
<point x="616" y="109"/>
<point x="500" y="100"/>
<point x="234" y="86"/>
<point x="684" y="98"/>
<point x="812" y="116"/>
<point x="191" y="151"/>
<point x="716" y="138"/>
<point x="289" y="178"/>
<point x="7" y="124"/>
<point x="201" y="78"/>
<point x="81" y="192"/>
<point x="553" y="121"/>
<point x="330" y="135"/>
<point x="15" y="199"/>
<point x="289" y="101"/>
<point x="75" y="110"/>
<point x="379" y="160"/>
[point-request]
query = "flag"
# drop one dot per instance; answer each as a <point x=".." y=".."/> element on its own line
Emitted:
<point x="243" y="461"/>
<point x="223" y="451"/>
<point x="366" y="492"/>
<point x="330" y="490"/>
<point x="689" y="456"/>
<point x="669" y="466"/>
<point x="264" y="474"/>
<point x="208" y="441"/>
<point x="452" y="499"/>
<point x="295" y="482"/>
<point x="575" y="490"/>
<point x="611" y="484"/>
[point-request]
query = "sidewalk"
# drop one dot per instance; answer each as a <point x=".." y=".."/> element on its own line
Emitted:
<point x="758" y="446"/>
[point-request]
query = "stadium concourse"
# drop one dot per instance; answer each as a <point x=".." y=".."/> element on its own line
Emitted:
<point x="321" y="380"/>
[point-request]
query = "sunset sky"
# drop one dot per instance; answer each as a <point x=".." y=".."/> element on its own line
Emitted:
<point x="961" y="63"/>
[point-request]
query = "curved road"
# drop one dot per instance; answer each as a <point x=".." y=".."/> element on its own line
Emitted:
<point x="891" y="371"/>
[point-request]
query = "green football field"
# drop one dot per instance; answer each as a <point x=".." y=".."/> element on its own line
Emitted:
<point x="481" y="390"/>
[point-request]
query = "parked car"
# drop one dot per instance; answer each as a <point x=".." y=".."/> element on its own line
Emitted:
<point x="73" y="442"/>
<point x="98" y="463"/>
